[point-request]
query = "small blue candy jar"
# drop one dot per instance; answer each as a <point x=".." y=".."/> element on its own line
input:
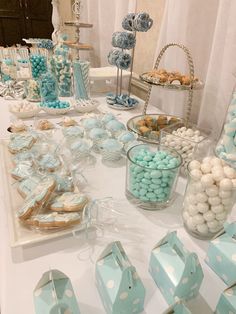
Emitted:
<point x="151" y="175"/>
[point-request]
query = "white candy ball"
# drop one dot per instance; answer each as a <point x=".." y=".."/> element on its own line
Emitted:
<point x="221" y="216"/>
<point x="189" y="132"/>
<point x="203" y="228"/>
<point x="198" y="219"/>
<point x="196" y="174"/>
<point x="194" y="164"/>
<point x="191" y="199"/>
<point x="217" y="173"/>
<point x="221" y="222"/>
<point x="207" y="180"/>
<point x="202" y="207"/>
<point x="214" y="200"/>
<point x="190" y="224"/>
<point x="234" y="182"/>
<point x="213" y="224"/>
<point x="201" y="197"/>
<point x="209" y="216"/>
<point x="206" y="167"/>
<point x="212" y="191"/>
<point x="197" y="187"/>
<point x="197" y="132"/>
<point x="217" y="208"/>
<point x="229" y="172"/>
<point x="226" y="184"/>
<point x="215" y="161"/>
<point x="192" y="209"/>
<point x="225" y="194"/>
<point x="215" y="230"/>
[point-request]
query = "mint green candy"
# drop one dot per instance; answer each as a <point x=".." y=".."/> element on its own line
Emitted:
<point x="142" y="192"/>
<point x="147" y="158"/>
<point x="147" y="175"/>
<point x="156" y="181"/>
<point x="140" y="175"/>
<point x="152" y="165"/>
<point x="155" y="174"/>
<point x="143" y="163"/>
<point x="146" y="181"/>
<point x="159" y="191"/>
<point x="150" y="195"/>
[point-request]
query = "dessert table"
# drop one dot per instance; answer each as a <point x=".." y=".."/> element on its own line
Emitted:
<point x="75" y="255"/>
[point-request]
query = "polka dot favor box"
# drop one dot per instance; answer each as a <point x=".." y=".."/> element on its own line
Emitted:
<point x="54" y="294"/>
<point x="176" y="271"/>
<point x="227" y="301"/>
<point x="118" y="283"/>
<point x="221" y="255"/>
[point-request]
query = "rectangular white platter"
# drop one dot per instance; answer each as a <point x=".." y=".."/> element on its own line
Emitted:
<point x="20" y="235"/>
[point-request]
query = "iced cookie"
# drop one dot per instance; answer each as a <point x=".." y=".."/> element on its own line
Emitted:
<point x="18" y="126"/>
<point x="20" y="142"/>
<point x="24" y="156"/>
<point x="22" y="170"/>
<point x="63" y="183"/>
<point x="37" y="197"/>
<point x="54" y="220"/>
<point x="69" y="202"/>
<point x="49" y="162"/>
<point x="73" y="131"/>
<point x="26" y="186"/>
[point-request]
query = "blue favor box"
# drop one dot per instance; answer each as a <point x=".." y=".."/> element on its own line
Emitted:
<point x="176" y="272"/>
<point x="227" y="301"/>
<point x="178" y="308"/>
<point x="221" y="254"/>
<point x="118" y="283"/>
<point x="54" y="294"/>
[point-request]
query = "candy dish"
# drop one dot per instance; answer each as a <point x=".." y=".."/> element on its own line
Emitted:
<point x="56" y="108"/>
<point x="121" y="102"/>
<point x="83" y="105"/>
<point x="24" y="109"/>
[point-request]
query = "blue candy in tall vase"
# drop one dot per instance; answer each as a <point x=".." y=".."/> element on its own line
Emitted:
<point x="48" y="87"/>
<point x="38" y="65"/>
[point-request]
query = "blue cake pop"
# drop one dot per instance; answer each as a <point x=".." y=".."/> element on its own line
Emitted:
<point x="128" y="21"/>
<point x="123" y="61"/>
<point x="123" y="40"/>
<point x="142" y="22"/>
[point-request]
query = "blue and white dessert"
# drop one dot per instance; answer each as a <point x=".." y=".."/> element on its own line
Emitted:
<point x="91" y="123"/>
<point x="111" y="149"/>
<point x="73" y="131"/>
<point x="22" y="170"/>
<point x="49" y="162"/>
<point x="27" y="185"/>
<point x="107" y="118"/>
<point x="97" y="134"/>
<point x="126" y="137"/>
<point x="81" y="146"/>
<point x="115" y="127"/>
<point x="20" y="142"/>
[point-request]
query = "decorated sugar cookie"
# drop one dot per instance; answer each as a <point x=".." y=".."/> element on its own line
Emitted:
<point x="20" y="142"/>
<point x="49" y="162"/>
<point x="37" y="197"/>
<point x="27" y="185"/>
<point x="22" y="170"/>
<point x="69" y="202"/>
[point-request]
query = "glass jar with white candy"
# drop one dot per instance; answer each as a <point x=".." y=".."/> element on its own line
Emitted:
<point x="209" y="196"/>
<point x="188" y="140"/>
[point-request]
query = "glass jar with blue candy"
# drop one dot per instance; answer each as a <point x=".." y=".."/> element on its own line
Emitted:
<point x="151" y="175"/>
<point x="48" y="88"/>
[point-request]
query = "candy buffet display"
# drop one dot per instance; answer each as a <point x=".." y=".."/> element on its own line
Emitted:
<point x="188" y="140"/>
<point x="226" y="147"/>
<point x="148" y="127"/>
<point x="54" y="293"/>
<point x="151" y="177"/>
<point x="221" y="255"/>
<point x="119" y="285"/>
<point x="209" y="197"/>
<point x="227" y="302"/>
<point x="176" y="271"/>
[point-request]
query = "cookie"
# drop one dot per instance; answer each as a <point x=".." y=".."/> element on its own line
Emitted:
<point x="54" y="220"/>
<point x="69" y="202"/>
<point x="37" y="197"/>
<point x="27" y="185"/>
<point x="20" y="157"/>
<point x="63" y="183"/>
<point x="49" y="162"/>
<point x="73" y="131"/>
<point x="44" y="125"/>
<point x="20" y="142"/>
<point x="144" y="130"/>
<point x="22" y="170"/>
<point x="18" y="126"/>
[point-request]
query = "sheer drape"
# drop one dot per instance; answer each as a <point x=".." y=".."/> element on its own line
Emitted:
<point x="106" y="17"/>
<point x="208" y="29"/>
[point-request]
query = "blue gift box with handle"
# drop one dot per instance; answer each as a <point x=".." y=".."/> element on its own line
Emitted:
<point x="118" y="283"/>
<point x="227" y="301"/>
<point x="221" y="254"/>
<point x="176" y="271"/>
<point x="54" y="294"/>
<point x="178" y="308"/>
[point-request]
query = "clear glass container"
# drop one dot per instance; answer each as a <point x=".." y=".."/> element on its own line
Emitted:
<point x="48" y="87"/>
<point x="226" y="146"/>
<point x="32" y="90"/>
<point x="151" y="175"/>
<point x="188" y="140"/>
<point x="208" y="199"/>
<point x="8" y="70"/>
<point x="62" y="69"/>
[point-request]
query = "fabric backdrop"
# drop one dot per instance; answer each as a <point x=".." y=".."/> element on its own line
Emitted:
<point x="208" y="29"/>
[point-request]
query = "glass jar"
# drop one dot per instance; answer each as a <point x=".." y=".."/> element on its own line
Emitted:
<point x="62" y="69"/>
<point x="209" y="197"/>
<point x="151" y="175"/>
<point x="48" y="87"/>
<point x="188" y="140"/>
<point x="38" y="65"/>
<point x="32" y="90"/>
<point x="226" y="147"/>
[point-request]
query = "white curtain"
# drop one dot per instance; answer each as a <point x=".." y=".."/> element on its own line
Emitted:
<point x="208" y="29"/>
<point x="106" y="17"/>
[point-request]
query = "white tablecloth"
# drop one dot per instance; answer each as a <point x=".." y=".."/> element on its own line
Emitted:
<point x="137" y="229"/>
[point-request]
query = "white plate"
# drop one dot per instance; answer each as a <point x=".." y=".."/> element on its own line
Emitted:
<point x="20" y="235"/>
<point x="122" y="107"/>
<point x="54" y="111"/>
<point x="26" y="114"/>
<point x="85" y="106"/>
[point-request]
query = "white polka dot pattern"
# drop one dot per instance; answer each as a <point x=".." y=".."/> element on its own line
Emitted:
<point x="124" y="295"/>
<point x="185" y="280"/>
<point x="38" y="292"/>
<point x="68" y="293"/>
<point x="136" y="301"/>
<point x="110" y="284"/>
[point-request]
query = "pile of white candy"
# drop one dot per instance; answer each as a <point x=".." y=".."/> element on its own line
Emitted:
<point x="184" y="141"/>
<point x="23" y="106"/>
<point x="209" y="196"/>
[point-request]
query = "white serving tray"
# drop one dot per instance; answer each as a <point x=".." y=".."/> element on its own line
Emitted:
<point x="20" y="235"/>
